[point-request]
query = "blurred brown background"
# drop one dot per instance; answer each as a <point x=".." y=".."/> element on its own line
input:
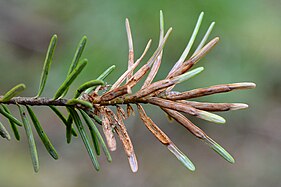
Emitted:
<point x="249" y="50"/>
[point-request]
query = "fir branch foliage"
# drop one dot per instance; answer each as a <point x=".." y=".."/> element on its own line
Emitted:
<point x="47" y="64"/>
<point x="30" y="138"/>
<point x="95" y="100"/>
<point x="43" y="136"/>
<point x="12" y="123"/>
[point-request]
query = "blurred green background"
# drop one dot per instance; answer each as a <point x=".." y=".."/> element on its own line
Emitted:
<point x="249" y="50"/>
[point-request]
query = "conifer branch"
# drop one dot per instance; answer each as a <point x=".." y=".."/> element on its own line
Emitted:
<point x="97" y="107"/>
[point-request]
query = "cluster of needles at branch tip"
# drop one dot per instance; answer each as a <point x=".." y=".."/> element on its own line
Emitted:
<point x="95" y="103"/>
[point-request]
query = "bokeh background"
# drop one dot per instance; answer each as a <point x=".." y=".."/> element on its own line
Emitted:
<point x="249" y="50"/>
